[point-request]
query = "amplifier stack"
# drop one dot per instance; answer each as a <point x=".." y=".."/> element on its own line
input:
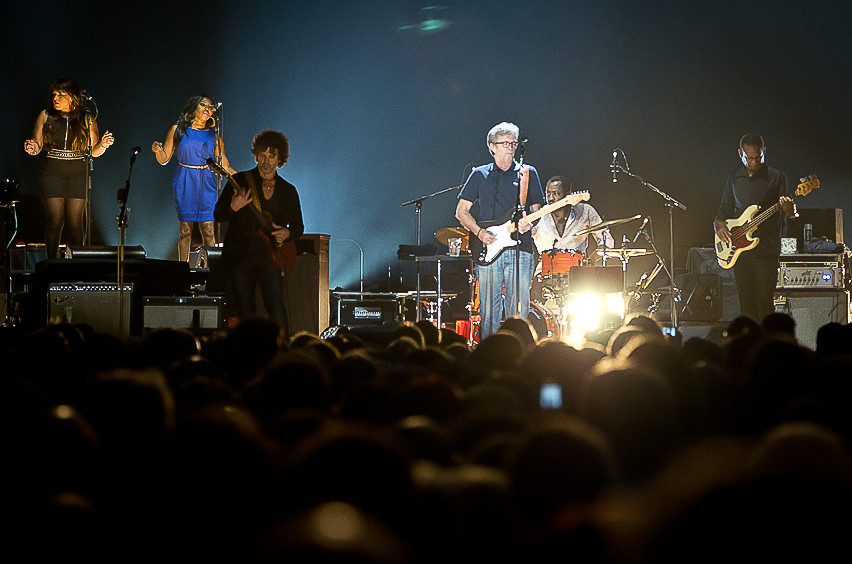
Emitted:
<point x="812" y="289"/>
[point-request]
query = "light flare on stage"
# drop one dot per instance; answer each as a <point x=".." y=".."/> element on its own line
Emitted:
<point x="590" y="311"/>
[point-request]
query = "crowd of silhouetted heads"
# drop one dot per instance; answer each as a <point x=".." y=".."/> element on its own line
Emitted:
<point x="407" y="445"/>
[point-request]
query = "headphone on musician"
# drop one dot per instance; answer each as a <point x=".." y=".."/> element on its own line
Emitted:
<point x="749" y="139"/>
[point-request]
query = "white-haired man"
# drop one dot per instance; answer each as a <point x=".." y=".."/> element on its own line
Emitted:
<point x="498" y="188"/>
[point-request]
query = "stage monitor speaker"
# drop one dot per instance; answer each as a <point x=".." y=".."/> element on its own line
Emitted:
<point x="25" y="257"/>
<point x="811" y="309"/>
<point x="195" y="312"/>
<point x="207" y="268"/>
<point x="102" y="252"/>
<point x="91" y="303"/>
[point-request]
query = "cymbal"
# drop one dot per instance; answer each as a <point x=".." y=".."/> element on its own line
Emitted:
<point x="618" y="253"/>
<point x="444" y="234"/>
<point x="605" y="224"/>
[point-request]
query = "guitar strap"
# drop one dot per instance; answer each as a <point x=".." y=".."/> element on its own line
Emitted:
<point x="253" y="189"/>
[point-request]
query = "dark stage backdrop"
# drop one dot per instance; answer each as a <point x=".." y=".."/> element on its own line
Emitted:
<point x="386" y="101"/>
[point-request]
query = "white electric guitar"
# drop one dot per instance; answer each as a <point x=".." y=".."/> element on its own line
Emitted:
<point x="504" y="228"/>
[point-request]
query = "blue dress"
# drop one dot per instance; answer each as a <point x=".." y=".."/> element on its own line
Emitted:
<point x="194" y="184"/>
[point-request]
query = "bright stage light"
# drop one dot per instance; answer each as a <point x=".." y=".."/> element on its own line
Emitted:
<point x="591" y="311"/>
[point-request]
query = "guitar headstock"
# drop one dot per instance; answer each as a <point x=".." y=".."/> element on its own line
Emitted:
<point x="582" y="196"/>
<point x="807" y="184"/>
<point x="217" y="168"/>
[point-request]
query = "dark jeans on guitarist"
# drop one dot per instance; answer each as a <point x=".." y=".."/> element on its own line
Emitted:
<point x="256" y="271"/>
<point x="756" y="273"/>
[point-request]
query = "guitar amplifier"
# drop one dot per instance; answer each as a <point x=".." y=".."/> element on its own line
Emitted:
<point x="91" y="303"/>
<point x="811" y="272"/>
<point x="811" y="309"/>
<point x="193" y="312"/>
<point x="375" y="309"/>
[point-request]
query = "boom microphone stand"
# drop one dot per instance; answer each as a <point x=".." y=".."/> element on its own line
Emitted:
<point x="220" y="126"/>
<point x="670" y="204"/>
<point x="418" y="207"/>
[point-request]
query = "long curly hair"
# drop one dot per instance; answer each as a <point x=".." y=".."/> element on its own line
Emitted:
<point x="77" y="122"/>
<point x="188" y="114"/>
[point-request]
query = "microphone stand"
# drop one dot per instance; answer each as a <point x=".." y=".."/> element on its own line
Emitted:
<point x="670" y="204"/>
<point x="418" y="207"/>
<point x="87" y="207"/>
<point x="519" y="209"/>
<point x="361" y="269"/>
<point x="121" y="197"/>
<point x="8" y="199"/>
<point x="219" y="127"/>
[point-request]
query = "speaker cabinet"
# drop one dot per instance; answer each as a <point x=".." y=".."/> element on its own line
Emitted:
<point x="92" y="303"/>
<point x="306" y="294"/>
<point x="196" y="313"/>
<point x="811" y="309"/>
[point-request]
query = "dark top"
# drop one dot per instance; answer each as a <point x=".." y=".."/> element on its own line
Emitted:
<point x="241" y="237"/>
<point x="763" y="188"/>
<point x="496" y="191"/>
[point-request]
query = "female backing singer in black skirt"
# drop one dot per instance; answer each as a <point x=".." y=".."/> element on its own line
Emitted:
<point x="63" y="133"/>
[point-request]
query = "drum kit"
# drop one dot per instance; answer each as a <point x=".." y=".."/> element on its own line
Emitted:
<point x="551" y="287"/>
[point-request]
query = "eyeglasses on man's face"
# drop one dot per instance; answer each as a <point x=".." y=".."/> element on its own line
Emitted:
<point x="507" y="144"/>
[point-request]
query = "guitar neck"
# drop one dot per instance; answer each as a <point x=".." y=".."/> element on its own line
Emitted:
<point x="567" y="200"/>
<point x="773" y="209"/>
<point x="755" y="222"/>
<point x="257" y="213"/>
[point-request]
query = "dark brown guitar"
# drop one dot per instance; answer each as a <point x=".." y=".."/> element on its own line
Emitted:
<point x="281" y="255"/>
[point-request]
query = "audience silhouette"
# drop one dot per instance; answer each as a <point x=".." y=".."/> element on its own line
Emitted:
<point x="415" y="446"/>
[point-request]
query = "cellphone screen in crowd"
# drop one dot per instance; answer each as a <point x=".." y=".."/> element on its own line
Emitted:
<point x="550" y="396"/>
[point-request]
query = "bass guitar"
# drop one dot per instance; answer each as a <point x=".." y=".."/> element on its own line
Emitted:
<point x="282" y="255"/>
<point x="504" y="228"/>
<point x="742" y="228"/>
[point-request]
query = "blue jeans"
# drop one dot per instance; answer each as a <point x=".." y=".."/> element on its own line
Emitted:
<point x="494" y="279"/>
<point x="256" y="270"/>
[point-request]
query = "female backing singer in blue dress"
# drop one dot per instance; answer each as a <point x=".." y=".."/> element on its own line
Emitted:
<point x="194" y="185"/>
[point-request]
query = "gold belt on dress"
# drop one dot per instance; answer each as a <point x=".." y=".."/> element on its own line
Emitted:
<point x="65" y="155"/>
<point x="192" y="166"/>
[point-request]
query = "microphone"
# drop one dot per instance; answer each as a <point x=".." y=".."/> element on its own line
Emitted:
<point x="135" y="151"/>
<point x="523" y="143"/>
<point x="641" y="229"/>
<point x="612" y="166"/>
<point x="86" y="95"/>
<point x="218" y="105"/>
